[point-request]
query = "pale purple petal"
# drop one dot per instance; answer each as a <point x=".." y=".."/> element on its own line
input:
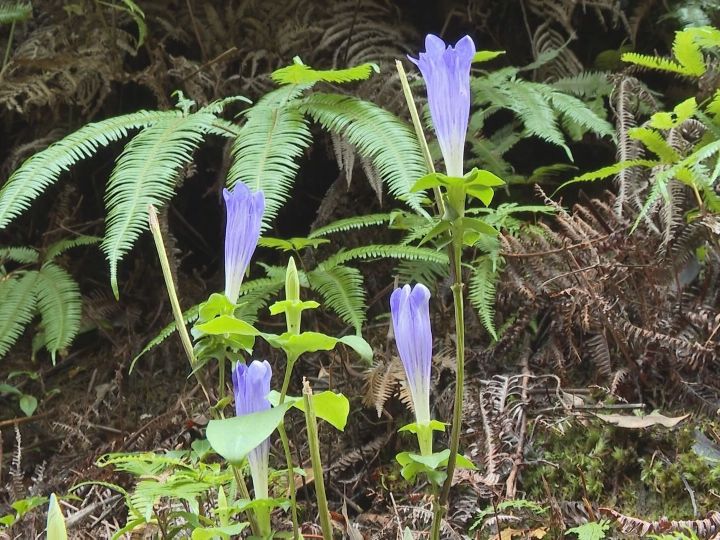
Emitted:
<point x="410" y="312"/>
<point x="242" y="232"/>
<point x="251" y="385"/>
<point x="446" y="71"/>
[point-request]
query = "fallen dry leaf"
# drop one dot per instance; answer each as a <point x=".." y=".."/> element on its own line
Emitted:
<point x="639" y="422"/>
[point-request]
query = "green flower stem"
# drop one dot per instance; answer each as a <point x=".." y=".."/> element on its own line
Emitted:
<point x="262" y="516"/>
<point x="314" y="443"/>
<point x="286" y="449"/>
<point x="419" y="133"/>
<point x="457" y="290"/>
<point x="172" y="294"/>
<point x="242" y="488"/>
<point x="425" y="439"/>
<point x="8" y="47"/>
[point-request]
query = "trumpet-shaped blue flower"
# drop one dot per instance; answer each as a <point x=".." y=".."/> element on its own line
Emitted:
<point x="446" y="71"/>
<point x="410" y="312"/>
<point x="242" y="232"/>
<point x="251" y="385"/>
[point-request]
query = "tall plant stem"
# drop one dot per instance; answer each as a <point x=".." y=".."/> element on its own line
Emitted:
<point x="9" y="46"/>
<point x="242" y="487"/>
<point x="286" y="449"/>
<point x="314" y="443"/>
<point x="172" y="294"/>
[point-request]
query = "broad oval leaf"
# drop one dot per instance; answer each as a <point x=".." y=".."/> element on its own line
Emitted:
<point x="226" y="324"/>
<point x="55" y="521"/>
<point x="234" y="438"/>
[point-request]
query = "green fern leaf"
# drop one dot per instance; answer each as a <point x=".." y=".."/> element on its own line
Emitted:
<point x="145" y="174"/>
<point x="688" y="53"/>
<point x="355" y="222"/>
<point x="266" y="151"/>
<point x="342" y="289"/>
<point x="378" y="135"/>
<point x="43" y="169"/>
<point x="653" y="62"/>
<point x="713" y="107"/>
<point x="588" y="84"/>
<point x="610" y="170"/>
<point x="257" y="294"/>
<point x="481" y="292"/>
<point x="577" y="112"/>
<point x="21" y="255"/>
<point x="59" y="303"/>
<point x="17" y="306"/>
<point x="13" y="12"/>
<point x="189" y="316"/>
<point x="421" y="271"/>
<point x="63" y="245"/>
<point x="411" y="253"/>
<point x="299" y="73"/>
<point x="654" y="142"/>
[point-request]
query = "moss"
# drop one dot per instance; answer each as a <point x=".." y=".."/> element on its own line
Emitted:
<point x="638" y="472"/>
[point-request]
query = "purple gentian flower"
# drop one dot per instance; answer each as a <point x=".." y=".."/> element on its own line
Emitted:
<point x="242" y="232"/>
<point x="251" y="385"/>
<point x="410" y="312"/>
<point x="446" y="71"/>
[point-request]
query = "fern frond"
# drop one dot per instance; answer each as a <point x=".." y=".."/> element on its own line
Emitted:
<point x="17" y="306"/>
<point x="299" y="73"/>
<point x="42" y="170"/>
<point x="355" y="222"/>
<point x="257" y="294"/>
<point x="654" y="142"/>
<point x="342" y="290"/>
<point x="21" y="255"/>
<point x="411" y="253"/>
<point x="421" y="271"/>
<point x="481" y="292"/>
<point x="577" y="112"/>
<point x="378" y="135"/>
<point x="189" y="316"/>
<point x="59" y="303"/>
<point x="13" y="12"/>
<point x="266" y="151"/>
<point x="587" y="84"/>
<point x="63" y="245"/>
<point x="145" y="174"/>
<point x="653" y="62"/>
<point x="610" y="170"/>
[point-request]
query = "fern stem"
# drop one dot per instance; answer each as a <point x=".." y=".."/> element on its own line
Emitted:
<point x="172" y="294"/>
<point x="419" y="132"/>
<point x="314" y="443"/>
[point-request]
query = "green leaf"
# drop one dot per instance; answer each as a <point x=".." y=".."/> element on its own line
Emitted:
<point x="226" y="324"/>
<point x="17" y="306"/>
<point x="378" y="135"/>
<point x="28" y="404"/>
<point x="299" y="73"/>
<point x="342" y="290"/>
<point x="414" y="427"/>
<point x="234" y="438"/>
<point x="481" y="292"/>
<point x="291" y="244"/>
<point x="484" y="56"/>
<point x="145" y="174"/>
<point x="9" y="389"/>
<point x="655" y="142"/>
<point x="298" y="344"/>
<point x="44" y="168"/>
<point x="485" y="178"/>
<point x="270" y="142"/>
<point x="429" y="181"/>
<point x="331" y="407"/>
<point x="216" y="304"/>
<point x="212" y="533"/>
<point x="14" y="12"/>
<point x="55" y="521"/>
<point x="688" y="53"/>
<point x="359" y="345"/>
<point x="591" y="531"/>
<point x="60" y="304"/>
<point x="63" y="245"/>
<point x="189" y="316"/>
<point x="21" y="255"/>
<point x="283" y="305"/>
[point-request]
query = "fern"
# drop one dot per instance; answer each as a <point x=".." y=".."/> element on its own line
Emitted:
<point x="387" y="252"/>
<point x="189" y="316"/>
<point x="355" y="222"/>
<point x="378" y="135"/>
<point x="481" y="292"/>
<point x="145" y="174"/>
<point x="44" y="168"/>
<point x="343" y="292"/>
<point x="256" y="294"/>
<point x="21" y="255"/>
<point x="266" y="151"/>
<point x="17" y="302"/>
<point x="299" y="73"/>
<point x="59" y="304"/>
<point x="12" y="12"/>
<point x="63" y="245"/>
